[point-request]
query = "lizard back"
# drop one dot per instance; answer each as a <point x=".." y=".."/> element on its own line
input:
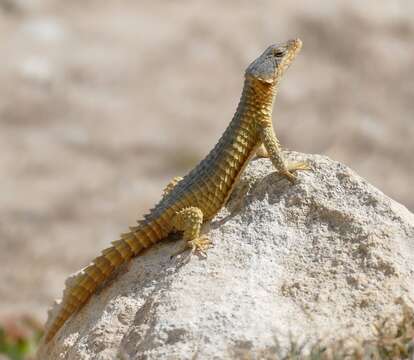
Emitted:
<point x="211" y="182"/>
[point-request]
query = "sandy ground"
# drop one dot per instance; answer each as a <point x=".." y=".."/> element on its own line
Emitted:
<point x="101" y="103"/>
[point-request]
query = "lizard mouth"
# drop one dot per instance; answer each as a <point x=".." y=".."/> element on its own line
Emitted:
<point x="295" y="45"/>
<point x="292" y="49"/>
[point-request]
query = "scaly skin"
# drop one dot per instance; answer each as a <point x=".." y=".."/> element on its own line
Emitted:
<point x="190" y="201"/>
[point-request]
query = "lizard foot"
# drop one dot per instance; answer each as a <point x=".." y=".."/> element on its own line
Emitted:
<point x="198" y="245"/>
<point x="292" y="167"/>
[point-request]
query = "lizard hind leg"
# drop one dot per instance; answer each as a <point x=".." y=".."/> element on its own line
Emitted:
<point x="189" y="220"/>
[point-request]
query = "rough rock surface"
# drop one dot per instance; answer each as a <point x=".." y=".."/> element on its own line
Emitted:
<point x="323" y="257"/>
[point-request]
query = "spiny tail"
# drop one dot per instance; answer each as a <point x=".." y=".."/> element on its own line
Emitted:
<point x="86" y="282"/>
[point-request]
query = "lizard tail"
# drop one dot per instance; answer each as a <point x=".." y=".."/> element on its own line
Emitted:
<point x="87" y="281"/>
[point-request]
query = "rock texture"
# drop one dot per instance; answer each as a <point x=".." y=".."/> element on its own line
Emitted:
<point x="321" y="258"/>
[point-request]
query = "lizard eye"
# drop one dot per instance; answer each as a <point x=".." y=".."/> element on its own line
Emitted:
<point x="278" y="53"/>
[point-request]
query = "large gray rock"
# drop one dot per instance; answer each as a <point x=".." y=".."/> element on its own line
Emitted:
<point x="324" y="257"/>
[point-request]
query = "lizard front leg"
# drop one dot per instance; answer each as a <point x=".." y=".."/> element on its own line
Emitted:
<point x="189" y="220"/>
<point x="261" y="152"/>
<point x="274" y="152"/>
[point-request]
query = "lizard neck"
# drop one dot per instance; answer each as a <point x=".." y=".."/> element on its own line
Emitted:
<point x="256" y="102"/>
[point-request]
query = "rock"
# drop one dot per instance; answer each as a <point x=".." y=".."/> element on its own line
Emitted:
<point x="324" y="257"/>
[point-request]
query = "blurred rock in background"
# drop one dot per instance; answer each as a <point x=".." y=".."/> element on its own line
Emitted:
<point x="102" y="103"/>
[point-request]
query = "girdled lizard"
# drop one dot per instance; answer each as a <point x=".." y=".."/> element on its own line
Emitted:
<point x="190" y="201"/>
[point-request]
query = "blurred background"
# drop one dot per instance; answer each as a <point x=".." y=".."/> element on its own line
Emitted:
<point x="103" y="102"/>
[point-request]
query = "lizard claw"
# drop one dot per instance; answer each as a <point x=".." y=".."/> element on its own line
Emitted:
<point x="198" y="245"/>
<point x="292" y="167"/>
<point x="297" y="166"/>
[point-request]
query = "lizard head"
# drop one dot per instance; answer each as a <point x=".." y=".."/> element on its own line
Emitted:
<point x="271" y="65"/>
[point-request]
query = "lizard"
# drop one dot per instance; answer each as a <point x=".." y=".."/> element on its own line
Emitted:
<point x="194" y="199"/>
